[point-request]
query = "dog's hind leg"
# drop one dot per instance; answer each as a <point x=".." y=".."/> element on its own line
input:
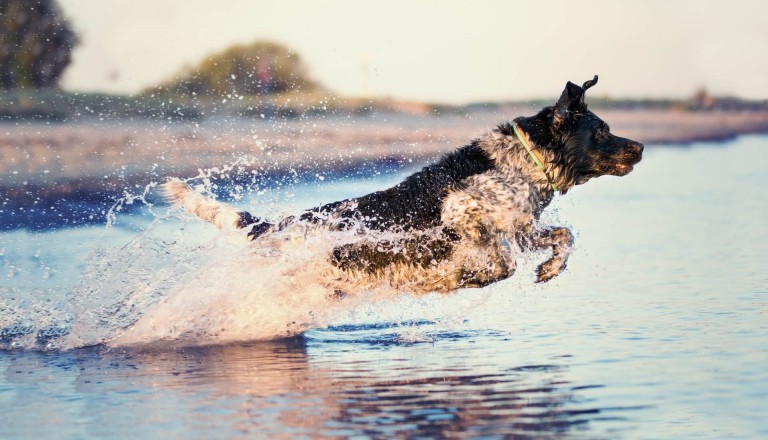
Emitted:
<point x="211" y="211"/>
<point x="422" y="250"/>
<point x="560" y="240"/>
<point x="425" y="260"/>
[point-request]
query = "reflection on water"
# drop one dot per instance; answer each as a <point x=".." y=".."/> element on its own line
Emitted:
<point x="294" y="387"/>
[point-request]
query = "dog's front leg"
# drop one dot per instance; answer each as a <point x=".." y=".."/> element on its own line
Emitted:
<point x="560" y="239"/>
<point x="499" y="266"/>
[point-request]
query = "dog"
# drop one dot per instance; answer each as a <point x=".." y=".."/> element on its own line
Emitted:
<point x="455" y="223"/>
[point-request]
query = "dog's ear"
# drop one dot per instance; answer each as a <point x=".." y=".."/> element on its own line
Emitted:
<point x="589" y="83"/>
<point x="572" y="99"/>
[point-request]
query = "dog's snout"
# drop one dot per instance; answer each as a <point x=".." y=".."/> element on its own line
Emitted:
<point x="634" y="151"/>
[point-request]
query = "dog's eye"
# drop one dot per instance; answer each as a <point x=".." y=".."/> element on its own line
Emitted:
<point x="599" y="135"/>
<point x="603" y="132"/>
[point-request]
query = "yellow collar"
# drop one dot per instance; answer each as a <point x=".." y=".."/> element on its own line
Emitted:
<point x="534" y="155"/>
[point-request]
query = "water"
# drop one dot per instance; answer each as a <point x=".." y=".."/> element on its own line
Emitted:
<point x="659" y="327"/>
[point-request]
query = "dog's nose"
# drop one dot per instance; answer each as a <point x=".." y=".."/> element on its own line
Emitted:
<point x="637" y="148"/>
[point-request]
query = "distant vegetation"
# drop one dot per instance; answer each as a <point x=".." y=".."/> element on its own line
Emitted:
<point x="35" y="44"/>
<point x="57" y="105"/>
<point x="264" y="80"/>
<point x="262" y="68"/>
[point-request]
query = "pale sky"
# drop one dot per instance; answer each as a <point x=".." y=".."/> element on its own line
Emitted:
<point x="439" y="51"/>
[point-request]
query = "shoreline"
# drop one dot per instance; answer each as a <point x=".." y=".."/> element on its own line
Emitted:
<point x="54" y="168"/>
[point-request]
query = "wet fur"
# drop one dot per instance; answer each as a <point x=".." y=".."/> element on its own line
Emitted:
<point x="452" y="224"/>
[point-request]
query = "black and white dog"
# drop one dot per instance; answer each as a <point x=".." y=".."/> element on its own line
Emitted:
<point x="452" y="225"/>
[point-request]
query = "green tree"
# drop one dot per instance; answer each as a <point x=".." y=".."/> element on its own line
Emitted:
<point x="35" y="43"/>
<point x="261" y="68"/>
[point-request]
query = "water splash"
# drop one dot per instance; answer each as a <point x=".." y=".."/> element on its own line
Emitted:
<point x="182" y="282"/>
<point x="215" y="291"/>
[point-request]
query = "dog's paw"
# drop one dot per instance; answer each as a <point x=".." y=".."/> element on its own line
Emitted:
<point x="549" y="269"/>
<point x="337" y="295"/>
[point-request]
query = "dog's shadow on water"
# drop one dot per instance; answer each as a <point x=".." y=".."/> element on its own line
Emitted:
<point x="350" y="379"/>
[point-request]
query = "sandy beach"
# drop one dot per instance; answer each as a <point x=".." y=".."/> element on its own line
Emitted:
<point x="97" y="160"/>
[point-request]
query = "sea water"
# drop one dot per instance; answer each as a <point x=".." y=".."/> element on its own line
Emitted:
<point x="160" y="326"/>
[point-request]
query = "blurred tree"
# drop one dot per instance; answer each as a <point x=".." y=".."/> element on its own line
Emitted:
<point x="260" y="68"/>
<point x="35" y="43"/>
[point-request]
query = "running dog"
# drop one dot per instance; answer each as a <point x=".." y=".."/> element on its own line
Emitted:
<point x="455" y="223"/>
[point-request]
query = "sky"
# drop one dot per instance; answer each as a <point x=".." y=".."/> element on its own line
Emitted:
<point x="439" y="51"/>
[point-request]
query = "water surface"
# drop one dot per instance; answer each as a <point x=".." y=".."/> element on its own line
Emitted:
<point x="659" y="327"/>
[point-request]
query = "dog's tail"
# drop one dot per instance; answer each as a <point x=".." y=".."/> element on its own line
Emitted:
<point x="205" y="208"/>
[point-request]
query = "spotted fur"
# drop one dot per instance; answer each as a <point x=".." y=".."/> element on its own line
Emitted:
<point x="453" y="224"/>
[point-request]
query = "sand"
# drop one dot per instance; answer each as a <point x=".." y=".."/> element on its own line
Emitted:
<point x="101" y="158"/>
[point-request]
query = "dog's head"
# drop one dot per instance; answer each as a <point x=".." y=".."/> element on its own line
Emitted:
<point x="581" y="143"/>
